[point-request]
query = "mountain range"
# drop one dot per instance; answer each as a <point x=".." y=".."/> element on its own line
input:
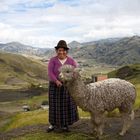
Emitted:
<point x="121" y="51"/>
<point x="16" y="47"/>
<point x="113" y="51"/>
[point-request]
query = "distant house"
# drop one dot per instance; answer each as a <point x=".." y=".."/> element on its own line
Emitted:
<point x="26" y="108"/>
<point x="99" y="77"/>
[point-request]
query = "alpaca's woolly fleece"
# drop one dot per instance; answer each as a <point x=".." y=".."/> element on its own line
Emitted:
<point x="111" y="93"/>
<point x="100" y="96"/>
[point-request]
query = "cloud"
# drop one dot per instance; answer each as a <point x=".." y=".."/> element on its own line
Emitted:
<point x="42" y="23"/>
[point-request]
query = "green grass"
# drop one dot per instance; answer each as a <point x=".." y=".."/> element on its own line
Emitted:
<point x="137" y="103"/>
<point x="89" y="71"/>
<point x="41" y="117"/>
<point x="135" y="77"/>
<point x="34" y="101"/>
<point x="83" y="113"/>
<point x="23" y="69"/>
<point x="27" y="118"/>
<point x="16" y="106"/>
<point x="32" y="118"/>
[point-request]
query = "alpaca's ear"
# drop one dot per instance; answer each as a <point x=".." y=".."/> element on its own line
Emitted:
<point x="77" y="70"/>
<point x="76" y="73"/>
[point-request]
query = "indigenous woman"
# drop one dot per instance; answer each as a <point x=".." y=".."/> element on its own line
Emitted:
<point x="62" y="108"/>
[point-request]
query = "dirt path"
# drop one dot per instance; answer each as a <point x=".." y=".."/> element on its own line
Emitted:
<point x="83" y="126"/>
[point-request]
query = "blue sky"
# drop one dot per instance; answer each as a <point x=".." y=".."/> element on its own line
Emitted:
<point x="42" y="23"/>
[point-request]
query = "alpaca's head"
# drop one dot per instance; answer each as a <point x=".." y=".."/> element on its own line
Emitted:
<point x="68" y="73"/>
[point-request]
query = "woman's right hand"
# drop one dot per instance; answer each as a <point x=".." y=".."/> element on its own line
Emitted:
<point x="58" y="83"/>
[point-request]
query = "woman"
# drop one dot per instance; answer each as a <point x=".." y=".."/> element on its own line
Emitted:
<point x="62" y="108"/>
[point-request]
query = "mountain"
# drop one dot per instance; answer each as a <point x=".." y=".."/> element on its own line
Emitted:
<point x="74" y="44"/>
<point x="16" y="47"/>
<point x="117" y="52"/>
<point x="19" y="71"/>
<point x="128" y="72"/>
<point x="108" y="40"/>
<point x="112" y="51"/>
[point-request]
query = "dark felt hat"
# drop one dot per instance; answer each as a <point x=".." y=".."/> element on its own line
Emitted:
<point x="62" y="44"/>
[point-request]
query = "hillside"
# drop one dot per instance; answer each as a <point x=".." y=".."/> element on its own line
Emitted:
<point x="17" y="70"/>
<point x="33" y="124"/>
<point x="129" y="72"/>
<point x="112" y="51"/>
<point x="19" y="48"/>
<point x="117" y="52"/>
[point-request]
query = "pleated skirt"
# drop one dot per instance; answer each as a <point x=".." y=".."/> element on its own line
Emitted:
<point x="62" y="108"/>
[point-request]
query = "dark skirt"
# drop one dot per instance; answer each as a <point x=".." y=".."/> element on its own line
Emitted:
<point x="62" y="108"/>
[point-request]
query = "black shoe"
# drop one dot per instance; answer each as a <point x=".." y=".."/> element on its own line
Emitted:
<point x="50" y="128"/>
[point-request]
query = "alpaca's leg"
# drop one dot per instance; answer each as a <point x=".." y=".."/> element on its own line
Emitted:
<point x="127" y="117"/>
<point x="98" y="123"/>
<point x="92" y="124"/>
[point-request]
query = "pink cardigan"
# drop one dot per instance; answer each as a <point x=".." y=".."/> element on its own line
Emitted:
<point x="55" y="64"/>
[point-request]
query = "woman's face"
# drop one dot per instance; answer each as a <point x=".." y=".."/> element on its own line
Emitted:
<point x="61" y="53"/>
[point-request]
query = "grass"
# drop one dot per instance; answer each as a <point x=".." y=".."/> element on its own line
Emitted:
<point x="137" y="103"/>
<point x="32" y="118"/>
<point x="89" y="71"/>
<point x="28" y="118"/>
<point x="16" y="106"/>
<point x="34" y="101"/>
<point x="41" y="117"/>
<point x="25" y="70"/>
<point x="54" y="136"/>
<point x="15" y="87"/>
<point x="83" y="113"/>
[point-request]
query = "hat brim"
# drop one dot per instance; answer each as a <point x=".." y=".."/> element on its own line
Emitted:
<point x="57" y="47"/>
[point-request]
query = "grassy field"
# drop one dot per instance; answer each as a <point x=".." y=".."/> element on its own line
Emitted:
<point x="87" y="72"/>
<point x="16" y="106"/>
<point x="32" y="118"/>
<point x="19" y="71"/>
<point x="40" y="116"/>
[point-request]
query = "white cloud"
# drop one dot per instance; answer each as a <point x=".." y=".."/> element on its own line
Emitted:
<point x="42" y="23"/>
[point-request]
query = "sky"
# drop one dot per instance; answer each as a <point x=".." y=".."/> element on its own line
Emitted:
<point x="42" y="23"/>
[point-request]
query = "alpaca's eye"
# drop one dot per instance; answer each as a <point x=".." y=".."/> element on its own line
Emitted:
<point x="67" y="71"/>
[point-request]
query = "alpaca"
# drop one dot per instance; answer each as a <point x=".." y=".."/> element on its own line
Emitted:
<point x="99" y="97"/>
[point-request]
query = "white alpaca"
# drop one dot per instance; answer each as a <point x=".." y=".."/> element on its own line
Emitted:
<point x="101" y="96"/>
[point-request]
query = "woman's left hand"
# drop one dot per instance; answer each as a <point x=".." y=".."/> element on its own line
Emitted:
<point x="58" y="83"/>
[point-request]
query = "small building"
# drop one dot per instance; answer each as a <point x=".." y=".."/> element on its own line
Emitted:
<point x="26" y="108"/>
<point x="99" y="77"/>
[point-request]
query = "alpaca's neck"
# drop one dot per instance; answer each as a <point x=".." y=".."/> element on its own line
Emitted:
<point x="78" y="91"/>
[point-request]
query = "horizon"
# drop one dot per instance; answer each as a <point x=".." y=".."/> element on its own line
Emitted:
<point x="42" y="23"/>
<point x="70" y="42"/>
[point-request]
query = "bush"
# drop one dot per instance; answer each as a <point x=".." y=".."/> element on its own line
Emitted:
<point x="45" y="102"/>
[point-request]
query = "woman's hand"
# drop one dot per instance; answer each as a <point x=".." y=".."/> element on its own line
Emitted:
<point x="58" y="83"/>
